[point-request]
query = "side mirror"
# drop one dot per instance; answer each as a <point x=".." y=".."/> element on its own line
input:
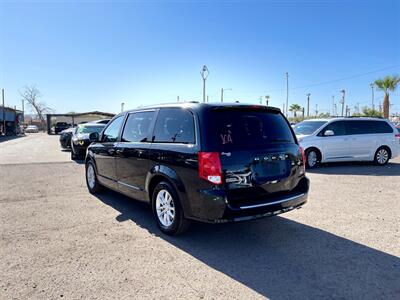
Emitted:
<point x="329" y="133"/>
<point x="94" y="137"/>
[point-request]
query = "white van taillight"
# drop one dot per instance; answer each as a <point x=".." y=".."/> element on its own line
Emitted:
<point x="210" y="167"/>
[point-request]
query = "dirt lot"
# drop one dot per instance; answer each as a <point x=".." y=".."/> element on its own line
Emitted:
<point x="57" y="240"/>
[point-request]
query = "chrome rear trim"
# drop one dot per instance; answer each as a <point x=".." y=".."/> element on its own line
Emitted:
<point x="272" y="203"/>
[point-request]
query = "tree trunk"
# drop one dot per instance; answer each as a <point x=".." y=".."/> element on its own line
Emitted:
<point x="386" y="106"/>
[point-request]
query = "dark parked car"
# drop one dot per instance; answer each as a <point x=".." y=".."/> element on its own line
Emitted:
<point x="210" y="162"/>
<point x="60" y="126"/>
<point x="80" y="138"/>
<point x="65" y="137"/>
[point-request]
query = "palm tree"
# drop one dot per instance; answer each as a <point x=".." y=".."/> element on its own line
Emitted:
<point x="387" y="85"/>
<point x="294" y="108"/>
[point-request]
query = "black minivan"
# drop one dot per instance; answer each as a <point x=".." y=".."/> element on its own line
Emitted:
<point x="199" y="161"/>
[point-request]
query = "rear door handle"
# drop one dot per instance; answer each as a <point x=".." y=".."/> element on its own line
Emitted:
<point x="111" y="151"/>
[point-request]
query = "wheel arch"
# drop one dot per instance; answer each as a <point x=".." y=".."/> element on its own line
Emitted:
<point x="159" y="173"/>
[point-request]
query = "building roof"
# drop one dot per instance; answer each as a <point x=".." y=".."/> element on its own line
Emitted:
<point x="83" y="114"/>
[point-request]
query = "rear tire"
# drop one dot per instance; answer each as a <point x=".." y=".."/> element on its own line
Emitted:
<point x="382" y="156"/>
<point x="167" y="210"/>
<point x="312" y="158"/>
<point x="92" y="182"/>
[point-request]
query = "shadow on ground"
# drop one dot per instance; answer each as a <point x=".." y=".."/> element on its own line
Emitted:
<point x="357" y="168"/>
<point x="279" y="258"/>
<point x="9" y="138"/>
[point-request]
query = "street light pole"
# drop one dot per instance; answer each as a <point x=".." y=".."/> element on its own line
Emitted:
<point x="222" y="93"/>
<point x="287" y="93"/>
<point x="122" y="106"/>
<point x="342" y="101"/>
<point x="204" y="74"/>
<point x="308" y="104"/>
<point x="373" y="96"/>
<point x="267" y="100"/>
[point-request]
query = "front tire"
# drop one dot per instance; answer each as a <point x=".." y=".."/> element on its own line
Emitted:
<point x="381" y="157"/>
<point x="312" y="158"/>
<point x="92" y="182"/>
<point x="167" y="210"/>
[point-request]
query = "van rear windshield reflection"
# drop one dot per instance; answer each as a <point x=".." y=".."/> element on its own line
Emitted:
<point x="249" y="129"/>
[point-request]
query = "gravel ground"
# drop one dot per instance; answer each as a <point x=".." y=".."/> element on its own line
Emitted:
<point x="57" y="240"/>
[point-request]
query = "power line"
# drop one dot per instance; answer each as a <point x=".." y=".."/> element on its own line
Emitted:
<point x="325" y="82"/>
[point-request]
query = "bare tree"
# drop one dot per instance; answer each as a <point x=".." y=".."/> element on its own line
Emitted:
<point x="31" y="95"/>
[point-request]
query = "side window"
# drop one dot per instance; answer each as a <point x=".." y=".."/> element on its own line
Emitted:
<point x="338" y="128"/>
<point x="174" y="125"/>
<point x="382" y="127"/>
<point x="111" y="132"/>
<point x="137" y="127"/>
<point x="360" y="127"/>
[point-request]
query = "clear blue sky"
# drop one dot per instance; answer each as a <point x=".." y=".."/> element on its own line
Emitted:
<point x="94" y="55"/>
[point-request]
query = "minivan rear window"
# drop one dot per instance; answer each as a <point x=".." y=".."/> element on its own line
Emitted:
<point x="248" y="129"/>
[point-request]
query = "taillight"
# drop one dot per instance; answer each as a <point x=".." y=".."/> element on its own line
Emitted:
<point x="397" y="136"/>
<point x="303" y="158"/>
<point x="210" y="167"/>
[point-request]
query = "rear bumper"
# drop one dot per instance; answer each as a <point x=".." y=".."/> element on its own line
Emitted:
<point x="216" y="208"/>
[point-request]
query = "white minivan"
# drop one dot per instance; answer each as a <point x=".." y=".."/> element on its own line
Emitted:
<point x="348" y="139"/>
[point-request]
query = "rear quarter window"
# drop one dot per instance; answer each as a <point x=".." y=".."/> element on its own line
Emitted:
<point x="247" y="129"/>
<point x="174" y="125"/>
<point x="382" y="127"/>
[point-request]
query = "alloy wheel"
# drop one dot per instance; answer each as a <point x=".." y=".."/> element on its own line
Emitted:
<point x="382" y="156"/>
<point x="312" y="159"/>
<point x="165" y="208"/>
<point x="91" y="179"/>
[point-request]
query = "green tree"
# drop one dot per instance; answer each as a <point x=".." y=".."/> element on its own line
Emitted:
<point x="294" y="108"/>
<point x="387" y="85"/>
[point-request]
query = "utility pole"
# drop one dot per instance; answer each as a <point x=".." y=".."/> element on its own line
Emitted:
<point x="347" y="109"/>
<point x="222" y="93"/>
<point x="335" y="109"/>
<point x="287" y="93"/>
<point x="4" y="112"/>
<point x="207" y="98"/>
<point x="342" y="101"/>
<point x="333" y="105"/>
<point x="316" y="110"/>
<point x="308" y="104"/>
<point x="177" y="98"/>
<point x="267" y="100"/>
<point x="303" y="113"/>
<point x="204" y="74"/>
<point x="122" y="106"/>
<point x="283" y="107"/>
<point x="373" y="96"/>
